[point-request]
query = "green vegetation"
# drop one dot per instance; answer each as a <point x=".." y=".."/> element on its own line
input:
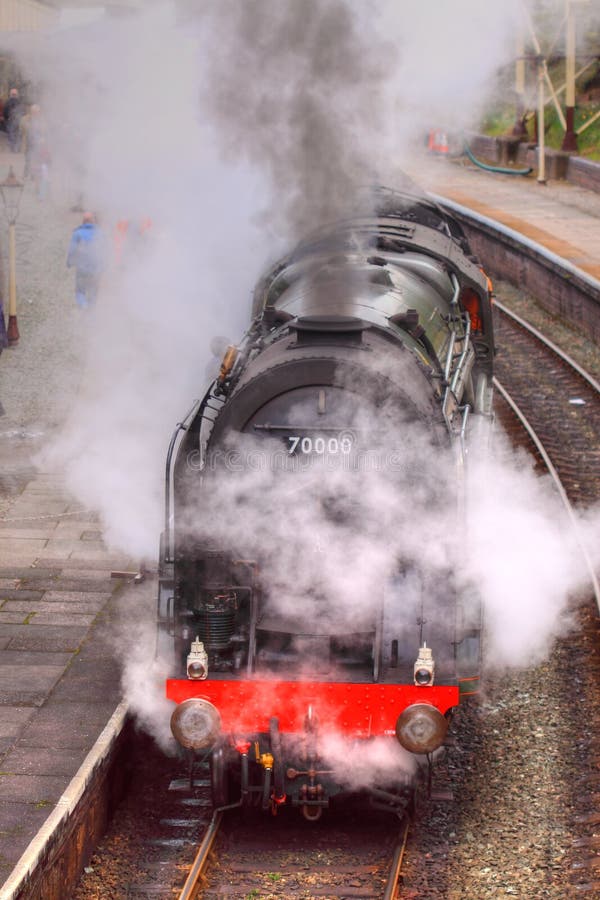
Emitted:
<point x="500" y="116"/>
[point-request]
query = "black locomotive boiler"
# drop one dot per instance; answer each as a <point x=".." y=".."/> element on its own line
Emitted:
<point x="378" y="328"/>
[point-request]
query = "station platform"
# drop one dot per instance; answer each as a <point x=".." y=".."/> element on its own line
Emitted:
<point x="562" y="217"/>
<point x="60" y="660"/>
<point x="59" y="670"/>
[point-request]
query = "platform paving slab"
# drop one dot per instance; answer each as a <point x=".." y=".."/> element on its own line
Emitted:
<point x="42" y="790"/>
<point x="63" y="548"/>
<point x="12" y="618"/>
<point x="14" y="719"/>
<point x="28" y="659"/>
<point x="41" y="760"/>
<point x="20" y="573"/>
<point x="10" y="546"/>
<point x="87" y="597"/>
<point x="85" y="574"/>
<point x="8" y="583"/>
<point x="64" y="618"/>
<point x="43" y="638"/>
<point x="69" y="530"/>
<point x="22" y="561"/>
<point x="85" y="685"/>
<point x="74" y="608"/>
<point x="27" y="687"/>
<point x="62" y="723"/>
<point x="30" y="510"/>
<point x="73" y="583"/>
<point x="19" y="822"/>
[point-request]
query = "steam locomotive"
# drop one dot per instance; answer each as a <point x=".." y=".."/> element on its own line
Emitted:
<point x="310" y="589"/>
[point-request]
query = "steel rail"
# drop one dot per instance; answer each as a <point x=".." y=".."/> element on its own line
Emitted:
<point x="392" y="883"/>
<point x="557" y="482"/>
<point x="527" y="326"/>
<point x="201" y="858"/>
<point x="590" y="286"/>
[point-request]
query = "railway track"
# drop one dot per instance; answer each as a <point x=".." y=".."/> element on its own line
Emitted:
<point x="201" y="859"/>
<point x="551" y="389"/>
<point x="258" y="857"/>
<point x="557" y="403"/>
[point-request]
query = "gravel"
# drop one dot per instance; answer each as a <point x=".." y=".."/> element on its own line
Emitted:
<point x="524" y="773"/>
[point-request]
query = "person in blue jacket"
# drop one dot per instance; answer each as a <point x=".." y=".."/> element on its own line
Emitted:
<point x="87" y="256"/>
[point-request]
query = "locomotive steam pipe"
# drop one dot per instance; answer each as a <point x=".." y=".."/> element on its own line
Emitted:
<point x="245" y="781"/>
<point x="266" y="791"/>
<point x="276" y="748"/>
<point x="167" y="554"/>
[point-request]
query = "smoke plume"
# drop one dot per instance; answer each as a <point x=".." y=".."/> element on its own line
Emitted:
<point x="234" y="127"/>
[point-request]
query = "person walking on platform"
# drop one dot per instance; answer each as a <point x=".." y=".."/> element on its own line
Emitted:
<point x="87" y="256"/>
<point x="13" y="110"/>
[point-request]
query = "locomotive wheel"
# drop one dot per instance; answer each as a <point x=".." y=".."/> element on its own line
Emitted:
<point x="219" y="778"/>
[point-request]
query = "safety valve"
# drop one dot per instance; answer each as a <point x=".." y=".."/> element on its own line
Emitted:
<point x="424" y="667"/>
<point x="197" y="661"/>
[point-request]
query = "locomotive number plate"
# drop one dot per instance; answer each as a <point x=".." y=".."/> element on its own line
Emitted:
<point x="321" y="446"/>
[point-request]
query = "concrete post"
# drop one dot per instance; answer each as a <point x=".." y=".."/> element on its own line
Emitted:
<point x="541" y="148"/>
<point x="570" y="139"/>
<point x="13" y="329"/>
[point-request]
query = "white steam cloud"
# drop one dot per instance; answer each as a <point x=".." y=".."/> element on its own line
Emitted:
<point x="234" y="126"/>
<point x="331" y="536"/>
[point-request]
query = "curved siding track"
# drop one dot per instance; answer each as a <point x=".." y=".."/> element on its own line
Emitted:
<point x="559" y="399"/>
<point x="558" y="404"/>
